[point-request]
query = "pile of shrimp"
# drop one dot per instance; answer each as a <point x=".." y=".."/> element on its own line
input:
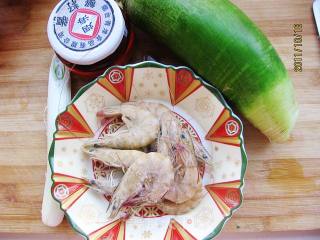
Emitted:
<point x="152" y="159"/>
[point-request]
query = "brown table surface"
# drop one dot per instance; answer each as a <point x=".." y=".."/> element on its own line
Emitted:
<point x="282" y="189"/>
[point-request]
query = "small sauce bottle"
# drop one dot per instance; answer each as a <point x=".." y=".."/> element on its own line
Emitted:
<point x="89" y="36"/>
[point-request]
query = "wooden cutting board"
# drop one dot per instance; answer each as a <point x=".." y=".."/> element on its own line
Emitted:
<point x="282" y="189"/>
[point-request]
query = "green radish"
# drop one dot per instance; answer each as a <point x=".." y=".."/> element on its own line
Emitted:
<point x="226" y="48"/>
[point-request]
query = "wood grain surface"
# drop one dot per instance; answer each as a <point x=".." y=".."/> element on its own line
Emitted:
<point x="282" y="189"/>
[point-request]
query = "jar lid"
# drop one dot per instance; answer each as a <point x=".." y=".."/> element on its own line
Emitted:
<point x="85" y="32"/>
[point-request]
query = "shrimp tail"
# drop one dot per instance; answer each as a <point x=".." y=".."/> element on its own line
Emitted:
<point x="96" y="188"/>
<point x="97" y="143"/>
<point x="115" y="205"/>
<point x="92" y="184"/>
<point x="113" y="209"/>
<point x="202" y="153"/>
<point x="93" y="143"/>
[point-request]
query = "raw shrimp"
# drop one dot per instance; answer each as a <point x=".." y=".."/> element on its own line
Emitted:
<point x="176" y="143"/>
<point x="142" y="128"/>
<point x="119" y="160"/>
<point x="147" y="176"/>
<point x="158" y="110"/>
<point x="114" y="157"/>
<point x="171" y="208"/>
<point x="146" y="182"/>
<point x="124" y="159"/>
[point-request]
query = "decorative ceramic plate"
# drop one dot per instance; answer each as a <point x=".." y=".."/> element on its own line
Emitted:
<point x="198" y="106"/>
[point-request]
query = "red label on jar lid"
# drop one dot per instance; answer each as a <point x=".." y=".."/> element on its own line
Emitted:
<point x="85" y="24"/>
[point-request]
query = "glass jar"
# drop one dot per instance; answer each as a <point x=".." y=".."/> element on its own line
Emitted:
<point x="89" y="36"/>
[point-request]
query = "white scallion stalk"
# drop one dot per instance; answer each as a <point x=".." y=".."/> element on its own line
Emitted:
<point x="59" y="95"/>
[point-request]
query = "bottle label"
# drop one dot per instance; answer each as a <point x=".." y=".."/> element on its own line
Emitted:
<point x="82" y="25"/>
